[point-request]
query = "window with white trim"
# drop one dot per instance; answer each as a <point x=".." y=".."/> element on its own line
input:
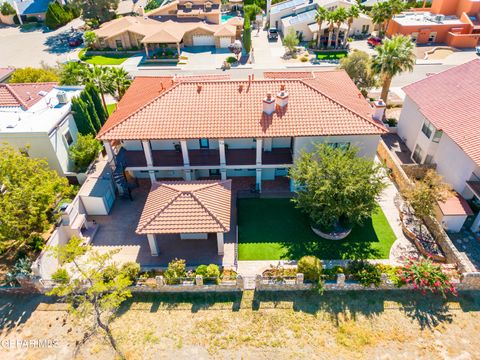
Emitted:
<point x="417" y="154"/>
<point x="428" y="129"/>
<point x="68" y="138"/>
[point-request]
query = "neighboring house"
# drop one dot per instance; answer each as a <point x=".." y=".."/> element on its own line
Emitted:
<point x="440" y="124"/>
<point x="30" y="8"/>
<point x="195" y="128"/>
<point x="300" y="15"/>
<point x="176" y="24"/>
<point x="36" y="119"/>
<point x="5" y="73"/>
<point x="454" y="22"/>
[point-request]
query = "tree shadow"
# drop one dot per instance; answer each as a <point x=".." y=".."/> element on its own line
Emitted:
<point x="58" y="43"/>
<point x="16" y="309"/>
<point x="427" y="310"/>
<point x="177" y="301"/>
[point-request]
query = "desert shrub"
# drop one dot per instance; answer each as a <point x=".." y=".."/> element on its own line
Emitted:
<point x="176" y="270"/>
<point x="231" y="60"/>
<point x="365" y="272"/>
<point x="311" y="268"/>
<point x="201" y="270"/>
<point x="304" y="59"/>
<point x="331" y="273"/>
<point x="209" y="271"/>
<point x="7" y="9"/>
<point x="131" y="269"/>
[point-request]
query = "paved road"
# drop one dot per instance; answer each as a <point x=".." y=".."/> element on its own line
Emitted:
<point x="31" y="48"/>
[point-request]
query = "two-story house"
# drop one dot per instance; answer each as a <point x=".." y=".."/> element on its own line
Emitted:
<point x="37" y="119"/>
<point x="195" y="128"/>
<point x="455" y="22"/>
<point x="440" y="124"/>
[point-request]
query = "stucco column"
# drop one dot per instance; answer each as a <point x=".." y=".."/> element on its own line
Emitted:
<point x="221" y="148"/>
<point x="223" y="174"/>
<point x="186" y="160"/>
<point x="259" y="151"/>
<point x="220" y="243"/>
<point x="152" y="242"/>
<point x="258" y="181"/>
<point x="188" y="175"/>
<point x="109" y="150"/>
<point x="148" y="152"/>
<point x="178" y="50"/>
<point x="146" y="49"/>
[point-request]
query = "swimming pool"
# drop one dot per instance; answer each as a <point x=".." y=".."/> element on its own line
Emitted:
<point x="227" y="16"/>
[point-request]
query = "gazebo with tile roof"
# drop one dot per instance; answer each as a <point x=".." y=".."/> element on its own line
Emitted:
<point x="192" y="209"/>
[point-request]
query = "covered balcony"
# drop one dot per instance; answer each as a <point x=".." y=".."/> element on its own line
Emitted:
<point x="276" y="156"/>
<point x="136" y="158"/>
<point x="204" y="157"/>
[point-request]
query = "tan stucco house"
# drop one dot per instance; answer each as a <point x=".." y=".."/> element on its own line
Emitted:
<point x="174" y="25"/>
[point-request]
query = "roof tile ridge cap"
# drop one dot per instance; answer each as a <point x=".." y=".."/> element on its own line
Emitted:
<point x="211" y="183"/>
<point x="371" y="121"/>
<point x="214" y="216"/>
<point x="15" y="95"/>
<point x="102" y="133"/>
<point x="151" y="218"/>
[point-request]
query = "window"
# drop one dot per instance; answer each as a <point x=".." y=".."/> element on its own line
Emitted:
<point x="340" y="145"/>
<point x="428" y="159"/>
<point x="414" y="36"/>
<point x="428" y="129"/>
<point x="437" y="136"/>
<point x="214" y="172"/>
<point x="418" y="154"/>
<point x="432" y="37"/>
<point x="68" y="137"/>
<point x="365" y="29"/>
<point x="118" y="44"/>
<point x="204" y="144"/>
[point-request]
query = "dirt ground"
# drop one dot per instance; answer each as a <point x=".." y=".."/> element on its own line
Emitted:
<point x="345" y="325"/>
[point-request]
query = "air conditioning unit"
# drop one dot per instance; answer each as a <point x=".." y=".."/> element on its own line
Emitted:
<point x="439" y="18"/>
<point x="62" y="97"/>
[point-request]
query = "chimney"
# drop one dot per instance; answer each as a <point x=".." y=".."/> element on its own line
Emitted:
<point x="142" y="11"/>
<point x="379" y="107"/>
<point x="269" y="104"/>
<point x="199" y="88"/>
<point x="282" y="96"/>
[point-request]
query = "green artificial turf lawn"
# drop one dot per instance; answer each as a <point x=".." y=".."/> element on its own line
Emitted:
<point x="111" y="108"/>
<point x="273" y="229"/>
<point x="107" y="59"/>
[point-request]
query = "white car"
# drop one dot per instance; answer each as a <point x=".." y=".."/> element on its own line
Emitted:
<point x="477" y="50"/>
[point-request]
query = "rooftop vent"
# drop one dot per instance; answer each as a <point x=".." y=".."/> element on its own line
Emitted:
<point x="379" y="107"/>
<point x="62" y="97"/>
<point x="282" y="96"/>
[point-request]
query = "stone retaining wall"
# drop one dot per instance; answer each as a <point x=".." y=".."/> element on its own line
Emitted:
<point x="160" y="286"/>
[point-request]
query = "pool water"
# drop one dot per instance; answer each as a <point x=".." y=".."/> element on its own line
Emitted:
<point x="225" y="17"/>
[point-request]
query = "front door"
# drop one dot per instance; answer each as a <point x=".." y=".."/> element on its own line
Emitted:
<point x="204" y="144"/>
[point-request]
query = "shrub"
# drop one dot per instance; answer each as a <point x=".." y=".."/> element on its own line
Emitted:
<point x="311" y="268"/>
<point x="84" y="151"/>
<point x="210" y="271"/>
<point x="89" y="37"/>
<point x="176" y="270"/>
<point x="201" y="270"/>
<point x="34" y="75"/>
<point x="231" y="60"/>
<point x="366" y="273"/>
<point x="7" y="9"/>
<point x="36" y="242"/>
<point x="424" y="275"/>
<point x="304" y="59"/>
<point x="131" y="270"/>
<point x="61" y="276"/>
<point x="110" y="273"/>
<point x="247" y="35"/>
<point x="56" y="16"/>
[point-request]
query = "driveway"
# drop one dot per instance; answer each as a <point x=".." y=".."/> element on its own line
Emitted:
<point x="32" y="48"/>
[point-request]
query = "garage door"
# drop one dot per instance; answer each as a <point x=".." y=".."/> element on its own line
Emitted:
<point x="225" y="42"/>
<point x="203" y="40"/>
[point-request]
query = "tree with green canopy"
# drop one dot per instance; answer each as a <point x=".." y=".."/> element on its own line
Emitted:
<point x="336" y="187"/>
<point x="82" y="117"/>
<point x="97" y="102"/>
<point x="29" y="191"/>
<point x="358" y="66"/>
<point x="290" y="41"/>
<point x="85" y="96"/>
<point x="352" y="13"/>
<point x="34" y="75"/>
<point x="84" y="151"/>
<point x="320" y="17"/>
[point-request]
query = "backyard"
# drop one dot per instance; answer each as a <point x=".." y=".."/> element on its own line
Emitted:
<point x="273" y="229"/>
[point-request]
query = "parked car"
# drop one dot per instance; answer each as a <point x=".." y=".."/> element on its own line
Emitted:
<point x="477" y="50"/>
<point x="273" y="34"/>
<point x="374" y="41"/>
<point x="75" y="41"/>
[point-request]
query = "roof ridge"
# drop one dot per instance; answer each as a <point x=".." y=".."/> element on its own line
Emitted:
<point x="102" y="133"/>
<point x="207" y="210"/>
<point x="371" y="121"/>
<point x="163" y="208"/>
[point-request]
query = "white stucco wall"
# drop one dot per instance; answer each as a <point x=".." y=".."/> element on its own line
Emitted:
<point x="194" y="144"/>
<point x="163" y="144"/>
<point x="453" y="223"/>
<point x="133" y="145"/>
<point x="59" y="143"/>
<point x="283" y="142"/>
<point x="247" y="143"/>
<point x="367" y="144"/>
<point x="410" y="123"/>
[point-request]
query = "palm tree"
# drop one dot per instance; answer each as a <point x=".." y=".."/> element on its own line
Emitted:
<point x="393" y="57"/>
<point x="394" y="7"/>
<point x="353" y="13"/>
<point x="101" y="77"/>
<point x="331" y="26"/>
<point x="340" y="16"/>
<point x="380" y="14"/>
<point x="121" y="80"/>
<point x="320" y="17"/>
<point x="71" y="73"/>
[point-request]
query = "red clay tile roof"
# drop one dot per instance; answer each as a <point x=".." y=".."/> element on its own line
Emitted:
<point x="233" y="109"/>
<point x="449" y="100"/>
<point x="456" y="205"/>
<point x="5" y="72"/>
<point x="23" y="95"/>
<point x="187" y="207"/>
<point x="288" y="75"/>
